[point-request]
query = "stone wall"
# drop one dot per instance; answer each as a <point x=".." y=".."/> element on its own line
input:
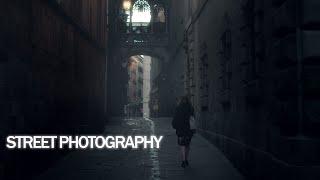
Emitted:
<point x="52" y="69"/>
<point x="251" y="72"/>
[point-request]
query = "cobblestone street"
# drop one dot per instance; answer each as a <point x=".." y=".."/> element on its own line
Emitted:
<point x="206" y="162"/>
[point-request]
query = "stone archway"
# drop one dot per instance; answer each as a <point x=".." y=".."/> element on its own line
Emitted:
<point x="160" y="53"/>
<point x="118" y="76"/>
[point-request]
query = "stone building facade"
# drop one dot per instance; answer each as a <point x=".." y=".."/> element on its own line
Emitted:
<point x="135" y="85"/>
<point x="52" y="73"/>
<point x="251" y="70"/>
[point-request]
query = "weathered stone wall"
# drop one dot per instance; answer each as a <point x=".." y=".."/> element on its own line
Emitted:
<point x="52" y="70"/>
<point x="251" y="72"/>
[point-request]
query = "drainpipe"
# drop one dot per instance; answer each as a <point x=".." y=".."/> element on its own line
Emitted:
<point x="299" y="67"/>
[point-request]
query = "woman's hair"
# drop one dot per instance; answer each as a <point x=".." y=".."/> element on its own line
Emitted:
<point x="185" y="100"/>
<point x="178" y="100"/>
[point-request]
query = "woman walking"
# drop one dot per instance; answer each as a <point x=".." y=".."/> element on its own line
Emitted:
<point x="181" y="123"/>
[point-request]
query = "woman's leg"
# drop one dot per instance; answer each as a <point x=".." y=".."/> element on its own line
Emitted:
<point x="183" y="151"/>
<point x="187" y="149"/>
<point x="184" y="160"/>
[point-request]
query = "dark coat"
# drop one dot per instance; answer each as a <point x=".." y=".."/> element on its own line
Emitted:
<point x="181" y="117"/>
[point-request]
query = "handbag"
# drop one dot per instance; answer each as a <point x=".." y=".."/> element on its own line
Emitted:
<point x="192" y="121"/>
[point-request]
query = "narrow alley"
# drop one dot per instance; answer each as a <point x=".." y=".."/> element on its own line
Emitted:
<point x="206" y="160"/>
<point x="236" y="82"/>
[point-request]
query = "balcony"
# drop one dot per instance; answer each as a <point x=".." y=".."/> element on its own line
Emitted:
<point x="311" y="13"/>
<point x="284" y="19"/>
<point x="253" y="92"/>
<point x="284" y="53"/>
<point x="311" y="44"/>
<point x="311" y="83"/>
<point x="285" y="84"/>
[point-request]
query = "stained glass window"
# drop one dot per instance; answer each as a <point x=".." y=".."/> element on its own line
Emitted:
<point x="141" y="13"/>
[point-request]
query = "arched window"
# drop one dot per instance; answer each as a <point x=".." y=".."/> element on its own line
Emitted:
<point x="159" y="13"/>
<point x="159" y="18"/>
<point x="141" y="13"/>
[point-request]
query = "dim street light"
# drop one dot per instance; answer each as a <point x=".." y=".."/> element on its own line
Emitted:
<point x="126" y="5"/>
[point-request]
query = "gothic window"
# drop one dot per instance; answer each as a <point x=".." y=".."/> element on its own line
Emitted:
<point x="226" y="44"/>
<point x="226" y="52"/>
<point x="137" y="17"/>
<point x="159" y="13"/>
<point x="226" y="48"/>
<point x="140" y="16"/>
<point x="204" y="79"/>
<point x="141" y="13"/>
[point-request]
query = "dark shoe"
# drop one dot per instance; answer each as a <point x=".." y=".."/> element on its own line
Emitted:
<point x="183" y="164"/>
<point x="187" y="163"/>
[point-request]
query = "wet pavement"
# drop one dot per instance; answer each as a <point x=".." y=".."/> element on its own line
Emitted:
<point x="206" y="162"/>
